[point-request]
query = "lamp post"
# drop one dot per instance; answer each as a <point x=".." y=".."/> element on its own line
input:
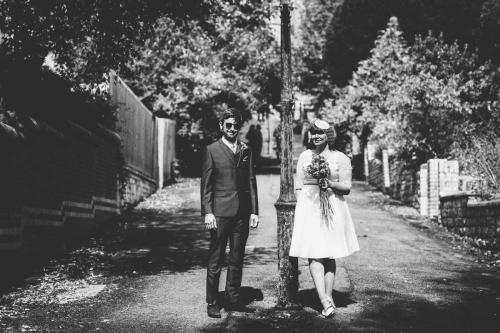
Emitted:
<point x="285" y="206"/>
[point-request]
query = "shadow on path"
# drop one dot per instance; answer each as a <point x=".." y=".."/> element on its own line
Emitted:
<point x="247" y="295"/>
<point x="152" y="241"/>
<point x="397" y="311"/>
<point x="309" y="298"/>
<point x="145" y="242"/>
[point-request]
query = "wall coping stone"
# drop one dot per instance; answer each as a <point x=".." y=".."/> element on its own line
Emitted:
<point x="31" y="125"/>
<point x="453" y="195"/>
<point x="111" y="134"/>
<point x="99" y="132"/>
<point x="491" y="203"/>
<point x="10" y="132"/>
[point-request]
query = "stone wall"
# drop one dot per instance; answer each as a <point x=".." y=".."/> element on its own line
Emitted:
<point x="466" y="217"/>
<point x="137" y="186"/>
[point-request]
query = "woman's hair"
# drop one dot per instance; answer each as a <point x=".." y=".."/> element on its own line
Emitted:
<point x="331" y="135"/>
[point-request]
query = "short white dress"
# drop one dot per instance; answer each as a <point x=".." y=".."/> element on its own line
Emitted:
<point x="311" y="237"/>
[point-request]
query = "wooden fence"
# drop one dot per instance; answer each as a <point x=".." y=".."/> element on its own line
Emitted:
<point x="166" y="129"/>
<point x="148" y="143"/>
<point x="137" y="128"/>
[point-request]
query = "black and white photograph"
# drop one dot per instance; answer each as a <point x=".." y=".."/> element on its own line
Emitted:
<point x="249" y="166"/>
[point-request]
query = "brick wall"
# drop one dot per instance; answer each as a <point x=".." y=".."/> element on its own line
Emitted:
<point x="56" y="183"/>
<point x="473" y="219"/>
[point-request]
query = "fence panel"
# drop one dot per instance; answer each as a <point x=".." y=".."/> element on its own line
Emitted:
<point x="166" y="149"/>
<point x="137" y="128"/>
<point x="169" y="148"/>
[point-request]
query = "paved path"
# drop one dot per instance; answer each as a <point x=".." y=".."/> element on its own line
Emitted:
<point x="407" y="279"/>
<point x="404" y="279"/>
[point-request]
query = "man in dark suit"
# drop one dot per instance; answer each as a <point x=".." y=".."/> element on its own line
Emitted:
<point x="229" y="205"/>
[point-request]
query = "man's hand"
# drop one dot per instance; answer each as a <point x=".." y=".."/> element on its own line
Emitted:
<point x="210" y="222"/>
<point x="254" y="221"/>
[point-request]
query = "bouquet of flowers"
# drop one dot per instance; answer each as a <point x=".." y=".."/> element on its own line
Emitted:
<point x="320" y="170"/>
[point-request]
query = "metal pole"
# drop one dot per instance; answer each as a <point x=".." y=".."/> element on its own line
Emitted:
<point x="285" y="206"/>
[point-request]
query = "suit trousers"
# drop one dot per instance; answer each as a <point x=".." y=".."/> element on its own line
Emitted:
<point x="235" y="229"/>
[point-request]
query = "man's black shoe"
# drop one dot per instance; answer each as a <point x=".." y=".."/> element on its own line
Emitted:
<point x="213" y="310"/>
<point x="239" y="308"/>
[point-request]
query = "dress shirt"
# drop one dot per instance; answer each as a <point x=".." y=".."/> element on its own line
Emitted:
<point x="231" y="145"/>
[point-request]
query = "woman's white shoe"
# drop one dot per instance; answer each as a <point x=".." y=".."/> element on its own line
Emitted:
<point x="329" y="310"/>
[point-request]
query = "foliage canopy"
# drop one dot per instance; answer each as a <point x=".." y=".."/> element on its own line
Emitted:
<point x="424" y="101"/>
<point x="355" y="24"/>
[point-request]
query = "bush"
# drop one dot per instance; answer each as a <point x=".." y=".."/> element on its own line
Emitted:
<point x="480" y="159"/>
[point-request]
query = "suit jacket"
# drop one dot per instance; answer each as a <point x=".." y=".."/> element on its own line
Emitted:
<point x="228" y="185"/>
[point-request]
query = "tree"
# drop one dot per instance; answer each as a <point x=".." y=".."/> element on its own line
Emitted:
<point x="362" y="104"/>
<point x="315" y="17"/>
<point x="182" y="65"/>
<point x="87" y="37"/>
<point x="423" y="100"/>
<point x="187" y="70"/>
<point x="489" y="44"/>
<point x="355" y="24"/>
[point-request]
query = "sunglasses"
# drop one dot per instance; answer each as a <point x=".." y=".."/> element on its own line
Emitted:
<point x="232" y="125"/>
<point x="316" y="132"/>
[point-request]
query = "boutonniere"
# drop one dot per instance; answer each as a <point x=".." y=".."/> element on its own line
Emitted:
<point x="244" y="147"/>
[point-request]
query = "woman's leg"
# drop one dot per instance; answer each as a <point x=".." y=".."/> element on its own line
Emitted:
<point x="330" y="271"/>
<point x="317" y="270"/>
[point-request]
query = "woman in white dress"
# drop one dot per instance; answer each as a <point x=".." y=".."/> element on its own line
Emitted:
<point x="312" y="238"/>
